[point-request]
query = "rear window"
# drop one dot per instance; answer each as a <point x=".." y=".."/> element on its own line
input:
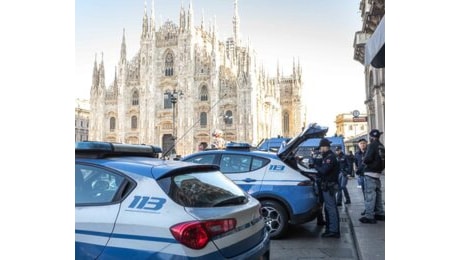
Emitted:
<point x="203" y="189"/>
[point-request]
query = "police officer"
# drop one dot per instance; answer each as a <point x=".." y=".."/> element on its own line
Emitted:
<point x="329" y="172"/>
<point x="317" y="161"/>
<point x="372" y="172"/>
<point x="359" y="155"/>
<point x="343" y="176"/>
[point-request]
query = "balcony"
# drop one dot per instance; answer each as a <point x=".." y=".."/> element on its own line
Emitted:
<point x="361" y="38"/>
<point x="359" y="45"/>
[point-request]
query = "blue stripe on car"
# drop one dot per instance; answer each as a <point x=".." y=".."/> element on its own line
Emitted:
<point x="126" y="236"/>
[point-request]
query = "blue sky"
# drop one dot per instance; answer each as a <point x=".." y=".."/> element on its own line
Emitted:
<point x="317" y="33"/>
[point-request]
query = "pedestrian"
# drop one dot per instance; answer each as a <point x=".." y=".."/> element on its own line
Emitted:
<point x="374" y="165"/>
<point x="351" y="162"/>
<point x="317" y="161"/>
<point x="218" y="140"/>
<point x="362" y="145"/>
<point x="343" y="177"/>
<point x="202" y="146"/>
<point x="328" y="172"/>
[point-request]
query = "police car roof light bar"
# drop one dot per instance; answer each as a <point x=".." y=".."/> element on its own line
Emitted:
<point x="238" y="146"/>
<point x="106" y="148"/>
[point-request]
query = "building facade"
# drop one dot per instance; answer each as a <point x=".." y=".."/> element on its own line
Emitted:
<point x="372" y="13"/>
<point x="183" y="83"/>
<point x="352" y="128"/>
<point x="81" y="119"/>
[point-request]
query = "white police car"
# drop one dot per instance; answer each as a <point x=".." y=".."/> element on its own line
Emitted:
<point x="129" y="204"/>
<point x="287" y="194"/>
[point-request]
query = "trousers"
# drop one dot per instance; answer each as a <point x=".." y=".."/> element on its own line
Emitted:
<point x="343" y="181"/>
<point x="330" y="208"/>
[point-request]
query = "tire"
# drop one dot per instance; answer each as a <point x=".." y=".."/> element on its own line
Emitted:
<point x="275" y="217"/>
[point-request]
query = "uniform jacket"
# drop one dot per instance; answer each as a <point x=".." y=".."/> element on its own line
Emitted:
<point x="371" y="159"/>
<point x="359" y="155"/>
<point x="343" y="163"/>
<point x="329" y="169"/>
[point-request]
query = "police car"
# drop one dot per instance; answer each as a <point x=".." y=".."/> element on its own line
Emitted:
<point x="129" y="204"/>
<point x="277" y="180"/>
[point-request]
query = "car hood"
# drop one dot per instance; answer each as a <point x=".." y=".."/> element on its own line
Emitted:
<point x="312" y="131"/>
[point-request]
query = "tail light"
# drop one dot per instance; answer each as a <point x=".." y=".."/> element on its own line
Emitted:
<point x="196" y="234"/>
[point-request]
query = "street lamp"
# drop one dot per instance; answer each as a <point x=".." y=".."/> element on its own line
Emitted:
<point x="173" y="97"/>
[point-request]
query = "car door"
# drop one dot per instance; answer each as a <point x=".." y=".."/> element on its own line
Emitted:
<point x="246" y="170"/>
<point x="95" y="209"/>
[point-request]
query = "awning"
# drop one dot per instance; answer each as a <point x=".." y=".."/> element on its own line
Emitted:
<point x="375" y="47"/>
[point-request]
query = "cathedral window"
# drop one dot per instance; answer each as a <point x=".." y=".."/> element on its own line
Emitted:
<point x="204" y="93"/>
<point x="135" y="100"/>
<point x="134" y="122"/>
<point x="169" y="64"/>
<point x="112" y="124"/>
<point x="167" y="101"/>
<point x="228" y="117"/>
<point x="285" y="123"/>
<point x="203" y="119"/>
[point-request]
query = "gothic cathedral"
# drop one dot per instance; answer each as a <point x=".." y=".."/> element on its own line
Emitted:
<point x="184" y="83"/>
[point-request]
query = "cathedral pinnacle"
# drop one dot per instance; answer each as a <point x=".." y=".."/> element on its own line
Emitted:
<point x="236" y="23"/>
<point x="152" y="21"/>
<point x="145" y="24"/>
<point x="123" y="48"/>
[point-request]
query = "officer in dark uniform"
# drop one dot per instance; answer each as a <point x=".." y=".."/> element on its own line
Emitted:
<point x="317" y="161"/>
<point x="343" y="177"/>
<point x="329" y="173"/>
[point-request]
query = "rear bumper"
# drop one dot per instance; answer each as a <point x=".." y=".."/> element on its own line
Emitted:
<point x="261" y="251"/>
<point x="306" y="217"/>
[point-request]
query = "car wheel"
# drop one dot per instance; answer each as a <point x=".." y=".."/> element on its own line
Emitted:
<point x="275" y="217"/>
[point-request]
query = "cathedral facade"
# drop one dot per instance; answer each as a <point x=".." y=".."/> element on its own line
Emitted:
<point x="184" y="83"/>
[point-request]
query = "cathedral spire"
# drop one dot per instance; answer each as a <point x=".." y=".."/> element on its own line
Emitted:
<point x="95" y="73"/>
<point x="278" y="69"/>
<point x="152" y="21"/>
<point x="102" y="72"/>
<point x="293" y="67"/>
<point x="202" y="19"/>
<point x="190" y="16"/>
<point x="182" y="19"/>
<point x="123" y="48"/>
<point x="236" y="23"/>
<point x="145" y="24"/>
<point x="115" y="83"/>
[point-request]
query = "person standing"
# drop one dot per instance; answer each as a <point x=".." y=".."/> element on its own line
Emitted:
<point x="374" y="165"/>
<point x="359" y="155"/>
<point x="317" y="161"/>
<point x="362" y="144"/>
<point x="218" y="141"/>
<point x="328" y="172"/>
<point x="202" y="146"/>
<point x="351" y="160"/>
<point x="343" y="176"/>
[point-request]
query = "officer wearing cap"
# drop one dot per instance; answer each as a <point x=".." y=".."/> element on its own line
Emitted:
<point x="359" y="155"/>
<point x="329" y="172"/>
<point x="317" y="161"/>
<point x="373" y="167"/>
<point x="343" y="176"/>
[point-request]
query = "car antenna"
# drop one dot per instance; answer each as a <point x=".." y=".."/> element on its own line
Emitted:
<point x="186" y="132"/>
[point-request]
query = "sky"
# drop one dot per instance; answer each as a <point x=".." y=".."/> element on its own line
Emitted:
<point x="317" y="34"/>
